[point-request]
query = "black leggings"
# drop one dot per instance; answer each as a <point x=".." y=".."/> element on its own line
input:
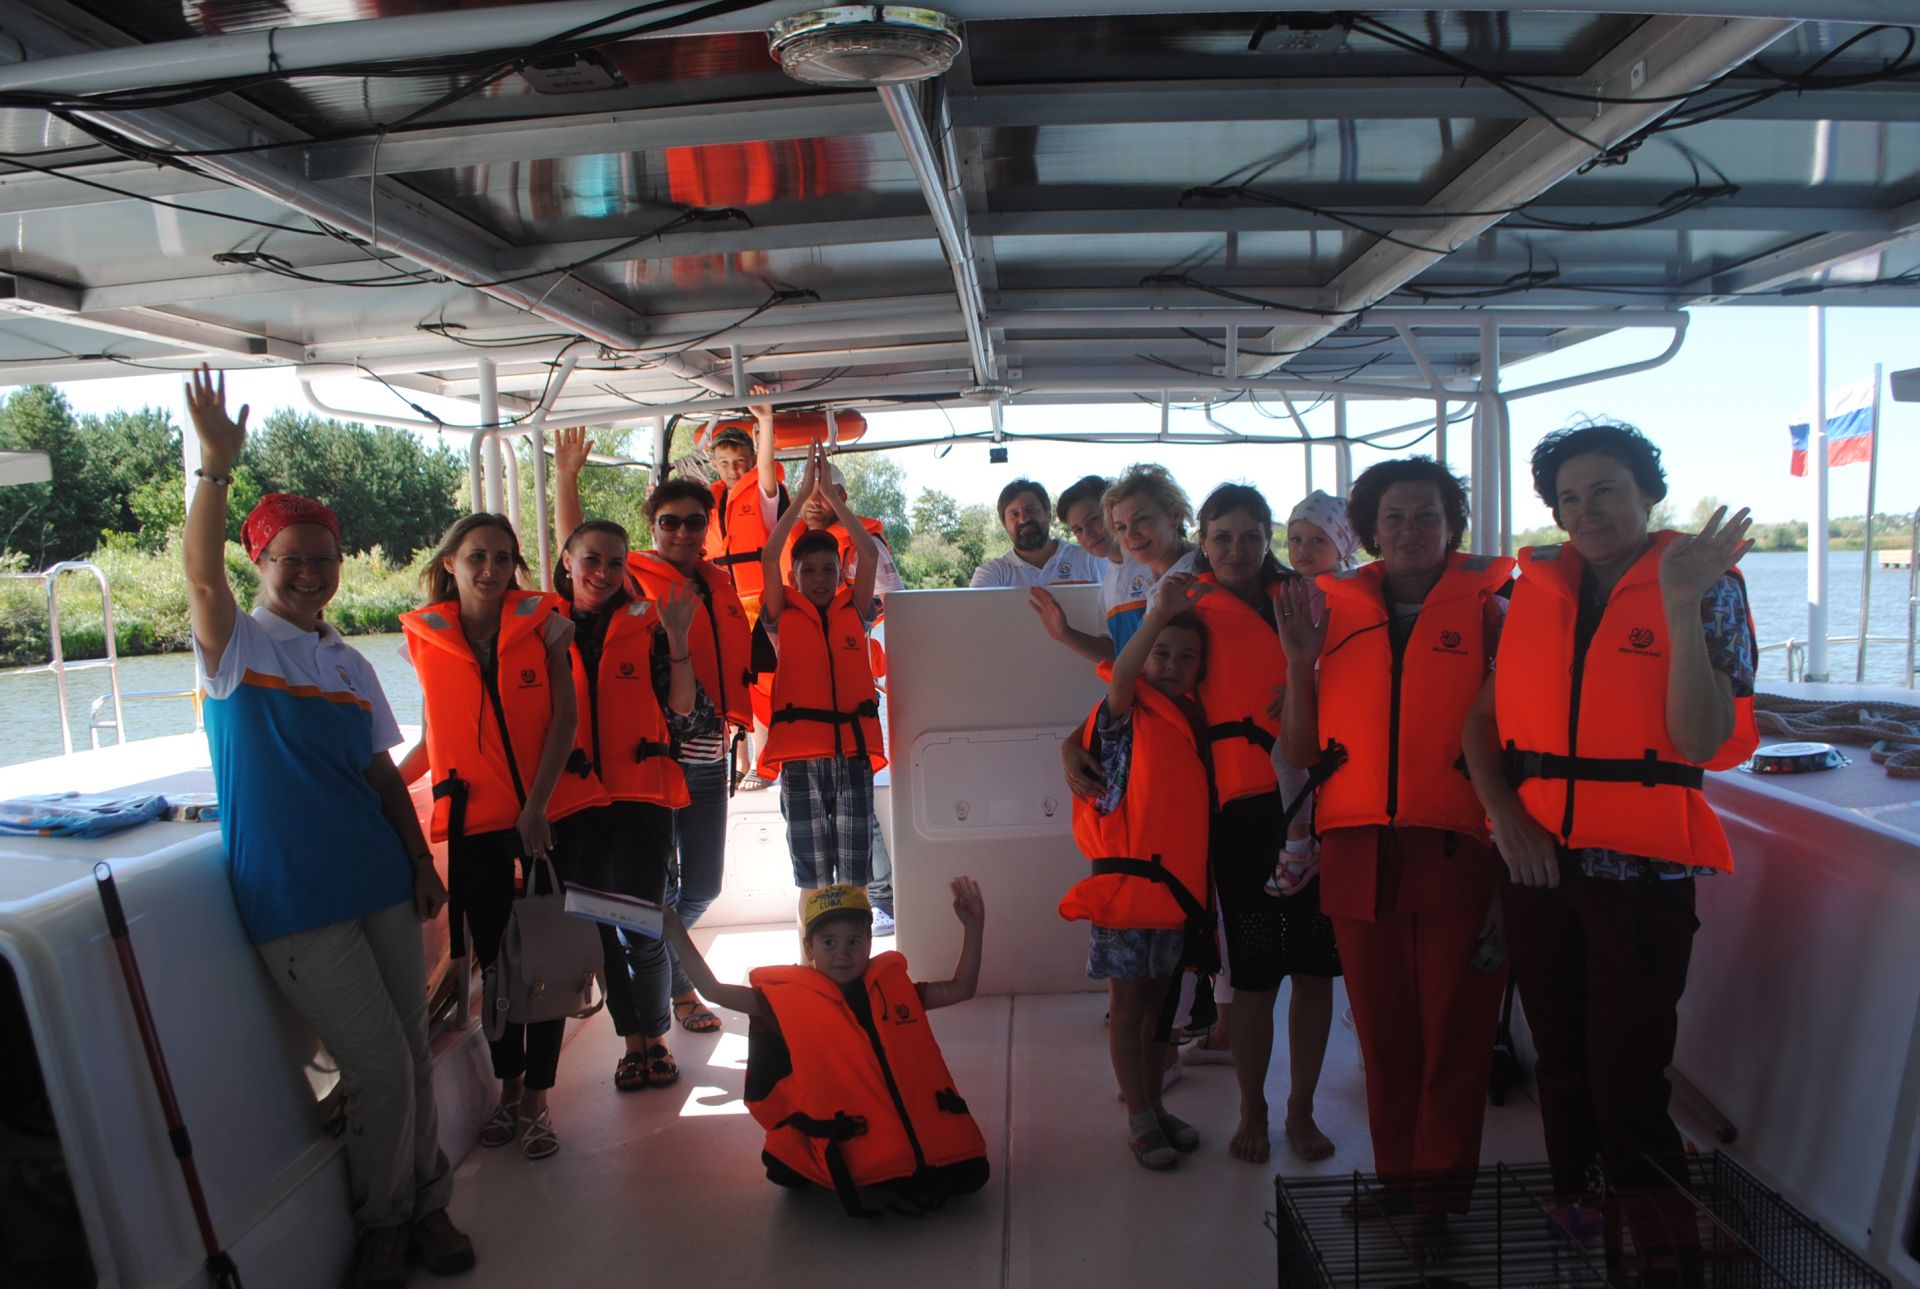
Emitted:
<point x="481" y="872"/>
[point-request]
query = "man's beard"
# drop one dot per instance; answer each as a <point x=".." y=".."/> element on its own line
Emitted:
<point x="1029" y="537"/>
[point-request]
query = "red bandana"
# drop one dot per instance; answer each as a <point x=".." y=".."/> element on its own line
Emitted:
<point x="278" y="510"/>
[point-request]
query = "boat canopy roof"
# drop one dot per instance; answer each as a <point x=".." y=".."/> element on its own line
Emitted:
<point x="633" y="209"/>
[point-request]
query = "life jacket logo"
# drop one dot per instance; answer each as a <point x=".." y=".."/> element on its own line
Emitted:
<point x="1640" y="637"/>
<point x="901" y="1015"/>
<point x="529" y="678"/>
<point x="734" y="611"/>
<point x="850" y="642"/>
<point x="626" y="669"/>
<point x="1450" y="639"/>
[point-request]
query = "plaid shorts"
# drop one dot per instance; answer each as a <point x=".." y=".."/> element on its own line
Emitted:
<point x="828" y="806"/>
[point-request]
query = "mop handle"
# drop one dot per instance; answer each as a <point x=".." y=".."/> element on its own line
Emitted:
<point x="219" y="1264"/>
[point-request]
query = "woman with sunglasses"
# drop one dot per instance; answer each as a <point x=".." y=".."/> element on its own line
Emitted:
<point x="678" y="514"/>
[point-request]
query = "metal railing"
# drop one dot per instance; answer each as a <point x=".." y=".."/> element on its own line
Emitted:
<point x="1796" y="651"/>
<point x="95" y="724"/>
<point x="59" y="666"/>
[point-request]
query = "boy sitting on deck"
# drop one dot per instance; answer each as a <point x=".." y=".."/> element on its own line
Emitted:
<point x="843" y="1070"/>
<point x="823" y="739"/>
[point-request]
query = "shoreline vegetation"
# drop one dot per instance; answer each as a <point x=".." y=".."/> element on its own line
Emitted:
<point x="118" y="500"/>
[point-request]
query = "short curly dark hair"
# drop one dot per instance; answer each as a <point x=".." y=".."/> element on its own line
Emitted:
<point x="678" y="490"/>
<point x="1615" y="439"/>
<point x="1363" y="503"/>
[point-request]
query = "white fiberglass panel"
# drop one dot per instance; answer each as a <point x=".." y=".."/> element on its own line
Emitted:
<point x="980" y="699"/>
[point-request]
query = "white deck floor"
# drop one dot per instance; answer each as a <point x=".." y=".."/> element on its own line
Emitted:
<point x="666" y="1184"/>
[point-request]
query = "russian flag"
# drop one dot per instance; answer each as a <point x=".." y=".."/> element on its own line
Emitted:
<point x="1849" y="427"/>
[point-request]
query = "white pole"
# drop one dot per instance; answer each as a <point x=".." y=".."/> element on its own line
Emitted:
<point x="1867" y="561"/>
<point x="490" y="418"/>
<point x="1816" y="668"/>
<point x="1343" y="448"/>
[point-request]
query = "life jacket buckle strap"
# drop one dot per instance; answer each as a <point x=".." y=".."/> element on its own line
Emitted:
<point x="1647" y="770"/>
<point x="1247" y="728"/>
<point x="648" y="749"/>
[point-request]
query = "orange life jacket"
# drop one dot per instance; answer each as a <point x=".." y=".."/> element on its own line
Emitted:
<point x="876" y="652"/>
<point x="859" y="1105"/>
<point x="1399" y="719"/>
<point x="1586" y="729"/>
<point x="739" y="533"/>
<point x="484" y="748"/>
<point x="721" y="638"/>
<point x="1244" y="663"/>
<point x="824" y="702"/>
<point x="1150" y="854"/>
<point x="622" y="727"/>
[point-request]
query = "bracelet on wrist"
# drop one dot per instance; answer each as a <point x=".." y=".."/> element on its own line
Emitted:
<point x="680" y="657"/>
<point x="224" y="480"/>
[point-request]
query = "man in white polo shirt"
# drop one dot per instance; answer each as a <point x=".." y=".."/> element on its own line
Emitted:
<point x="1038" y="558"/>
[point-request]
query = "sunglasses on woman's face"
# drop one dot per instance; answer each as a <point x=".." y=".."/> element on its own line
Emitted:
<point x="674" y="523"/>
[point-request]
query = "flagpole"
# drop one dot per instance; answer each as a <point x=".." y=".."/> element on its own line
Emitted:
<point x="1816" y="668"/>
<point x="1866" y="566"/>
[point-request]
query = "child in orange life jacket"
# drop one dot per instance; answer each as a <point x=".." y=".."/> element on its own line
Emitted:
<point x="823" y="740"/>
<point x="1319" y="540"/>
<point x="1151" y="815"/>
<point x="831" y="1042"/>
<point x="749" y="494"/>
<point x="498" y="720"/>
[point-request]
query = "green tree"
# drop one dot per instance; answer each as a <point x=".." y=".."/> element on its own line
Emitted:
<point x="389" y="489"/>
<point x="877" y="488"/>
<point x="935" y="514"/>
<point x="56" y="520"/>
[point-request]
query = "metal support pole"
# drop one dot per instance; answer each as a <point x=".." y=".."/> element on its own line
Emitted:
<point x="544" y="538"/>
<point x="510" y="451"/>
<point x="477" y="469"/>
<point x="1817" y="481"/>
<point x="1866" y="564"/>
<point x="1486" y="445"/>
<point x="490" y="419"/>
<point x="661" y="447"/>
<point x="1343" y="448"/>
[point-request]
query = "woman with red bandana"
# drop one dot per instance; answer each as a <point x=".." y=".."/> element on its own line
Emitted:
<point x="329" y="896"/>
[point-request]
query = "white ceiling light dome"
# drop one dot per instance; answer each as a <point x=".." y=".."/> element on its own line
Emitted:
<point x="865" y="45"/>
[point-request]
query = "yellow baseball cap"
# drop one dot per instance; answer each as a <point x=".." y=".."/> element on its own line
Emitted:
<point x="837" y="899"/>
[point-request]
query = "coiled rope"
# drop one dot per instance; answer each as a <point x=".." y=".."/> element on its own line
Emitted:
<point x="1891" y="731"/>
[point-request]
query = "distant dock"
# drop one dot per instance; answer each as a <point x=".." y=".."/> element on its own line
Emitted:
<point x="1895" y="558"/>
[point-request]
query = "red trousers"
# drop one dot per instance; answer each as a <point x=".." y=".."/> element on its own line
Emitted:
<point x="1426" y="1020"/>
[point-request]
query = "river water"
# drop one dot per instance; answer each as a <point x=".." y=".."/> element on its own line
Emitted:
<point x="1776" y="581"/>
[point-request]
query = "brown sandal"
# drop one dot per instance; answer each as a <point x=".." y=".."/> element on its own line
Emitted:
<point x="631" y="1074"/>
<point x="662" y="1071"/>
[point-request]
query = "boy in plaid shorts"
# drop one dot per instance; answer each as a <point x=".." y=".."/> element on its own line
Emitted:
<point x="823" y="740"/>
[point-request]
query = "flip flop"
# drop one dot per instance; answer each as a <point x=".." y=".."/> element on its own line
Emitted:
<point x="694" y="1016"/>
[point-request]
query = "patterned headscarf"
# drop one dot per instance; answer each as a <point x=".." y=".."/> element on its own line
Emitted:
<point x="278" y="510"/>
<point x="1329" y="513"/>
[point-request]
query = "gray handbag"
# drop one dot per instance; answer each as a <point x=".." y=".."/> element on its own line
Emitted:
<point x="549" y="963"/>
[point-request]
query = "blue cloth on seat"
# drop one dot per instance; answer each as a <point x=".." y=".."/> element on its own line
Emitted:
<point x="71" y="814"/>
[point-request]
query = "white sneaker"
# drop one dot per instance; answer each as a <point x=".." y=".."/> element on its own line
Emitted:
<point x="882" y="922"/>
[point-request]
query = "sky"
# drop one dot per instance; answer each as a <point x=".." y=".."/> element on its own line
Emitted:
<point x="1718" y="410"/>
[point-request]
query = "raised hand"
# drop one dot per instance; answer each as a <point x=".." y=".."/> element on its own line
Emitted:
<point x="968" y="905"/>
<point x="1175" y="594"/>
<point x="1301" y="639"/>
<point x="1053" y="618"/>
<point x="762" y="412"/>
<point x="675" y="606"/>
<point x="1691" y="565"/>
<point x="570" y="449"/>
<point x="220" y="435"/>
